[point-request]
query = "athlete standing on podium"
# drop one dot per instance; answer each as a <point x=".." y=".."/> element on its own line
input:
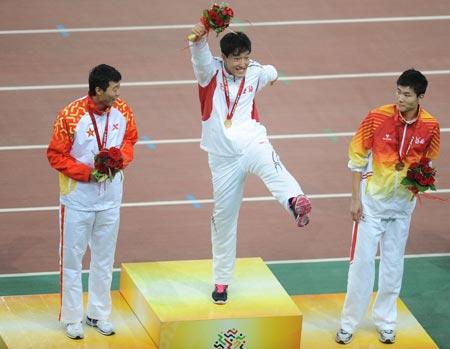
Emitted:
<point x="237" y="143"/>
<point x="90" y="210"/>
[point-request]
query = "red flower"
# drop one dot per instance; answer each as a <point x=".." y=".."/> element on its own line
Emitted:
<point x="227" y="11"/>
<point x="114" y="153"/>
<point x="427" y="169"/>
<point x="422" y="181"/>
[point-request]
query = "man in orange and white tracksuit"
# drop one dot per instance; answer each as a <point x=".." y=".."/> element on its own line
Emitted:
<point x="388" y="141"/>
<point x="90" y="211"/>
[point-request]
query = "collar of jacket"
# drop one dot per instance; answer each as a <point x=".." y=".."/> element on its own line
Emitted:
<point x="93" y="107"/>
<point x="399" y="117"/>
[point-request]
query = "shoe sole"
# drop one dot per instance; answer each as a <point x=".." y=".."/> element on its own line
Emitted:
<point x="219" y="302"/>
<point x="75" y="337"/>
<point x="343" y="342"/>
<point x="340" y="341"/>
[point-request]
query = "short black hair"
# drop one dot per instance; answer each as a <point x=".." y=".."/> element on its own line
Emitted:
<point x="414" y="79"/>
<point x="100" y="76"/>
<point x="235" y="43"/>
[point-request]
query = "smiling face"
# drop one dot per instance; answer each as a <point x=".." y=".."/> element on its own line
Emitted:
<point x="109" y="96"/>
<point x="407" y="101"/>
<point x="236" y="65"/>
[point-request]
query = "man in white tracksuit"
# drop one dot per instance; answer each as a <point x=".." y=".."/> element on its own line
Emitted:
<point x="90" y="211"/>
<point x="237" y="143"/>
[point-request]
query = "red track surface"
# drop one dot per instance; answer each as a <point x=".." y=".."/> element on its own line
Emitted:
<point x="29" y="241"/>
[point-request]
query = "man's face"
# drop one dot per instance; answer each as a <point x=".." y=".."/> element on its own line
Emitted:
<point x="407" y="100"/>
<point x="109" y="96"/>
<point x="237" y="65"/>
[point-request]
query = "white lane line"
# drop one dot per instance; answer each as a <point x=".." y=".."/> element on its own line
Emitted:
<point x="290" y="261"/>
<point x="330" y="135"/>
<point x="236" y="24"/>
<point x="189" y="202"/>
<point x="152" y="83"/>
<point x="345" y="259"/>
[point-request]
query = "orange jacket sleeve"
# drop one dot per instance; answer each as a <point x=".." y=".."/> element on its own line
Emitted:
<point x="130" y="137"/>
<point x="433" y="149"/>
<point x="361" y="143"/>
<point x="58" y="152"/>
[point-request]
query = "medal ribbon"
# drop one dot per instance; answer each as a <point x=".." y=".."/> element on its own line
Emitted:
<point x="105" y="132"/>
<point x="227" y="95"/>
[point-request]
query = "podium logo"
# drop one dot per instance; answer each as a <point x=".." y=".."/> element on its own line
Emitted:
<point x="230" y="339"/>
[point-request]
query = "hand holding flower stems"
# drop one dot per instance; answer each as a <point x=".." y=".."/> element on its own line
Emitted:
<point x="107" y="163"/>
<point x="217" y="18"/>
<point x="197" y="32"/>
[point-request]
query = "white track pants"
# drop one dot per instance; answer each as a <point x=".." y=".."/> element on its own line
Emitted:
<point x="79" y="229"/>
<point x="392" y="235"/>
<point x="228" y="177"/>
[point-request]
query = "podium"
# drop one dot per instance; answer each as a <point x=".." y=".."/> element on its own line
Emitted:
<point x="167" y="305"/>
<point x="173" y="302"/>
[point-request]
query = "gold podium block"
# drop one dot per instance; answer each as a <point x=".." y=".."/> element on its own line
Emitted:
<point x="321" y="321"/>
<point x="173" y="302"/>
<point x="31" y="322"/>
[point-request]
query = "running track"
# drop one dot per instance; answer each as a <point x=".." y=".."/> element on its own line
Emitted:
<point x="337" y="60"/>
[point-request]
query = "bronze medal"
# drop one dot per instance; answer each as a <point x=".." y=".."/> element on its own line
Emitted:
<point x="399" y="166"/>
<point x="227" y="123"/>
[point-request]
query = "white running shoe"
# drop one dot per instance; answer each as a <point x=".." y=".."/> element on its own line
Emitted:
<point x="343" y="337"/>
<point x="74" y="330"/>
<point x="105" y="327"/>
<point x="386" y="336"/>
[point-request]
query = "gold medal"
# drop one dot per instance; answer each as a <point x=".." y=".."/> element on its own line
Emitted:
<point x="399" y="166"/>
<point x="227" y="123"/>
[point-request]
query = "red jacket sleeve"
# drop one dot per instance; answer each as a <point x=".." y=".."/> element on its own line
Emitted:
<point x="58" y="152"/>
<point x="130" y="137"/>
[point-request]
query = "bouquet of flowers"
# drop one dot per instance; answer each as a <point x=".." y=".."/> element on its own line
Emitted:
<point x="420" y="177"/>
<point x="107" y="163"/>
<point x="217" y="18"/>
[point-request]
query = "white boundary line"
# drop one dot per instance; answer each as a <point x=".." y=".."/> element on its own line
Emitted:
<point x="188" y="202"/>
<point x="345" y="259"/>
<point x="191" y="82"/>
<point x="197" y="140"/>
<point x="291" y="261"/>
<point x="237" y="23"/>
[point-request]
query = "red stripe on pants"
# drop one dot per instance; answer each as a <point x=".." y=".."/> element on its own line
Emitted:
<point x="61" y="261"/>
<point x="354" y="237"/>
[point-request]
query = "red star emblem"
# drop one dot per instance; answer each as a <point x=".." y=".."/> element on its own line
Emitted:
<point x="116" y="126"/>
<point x="90" y="132"/>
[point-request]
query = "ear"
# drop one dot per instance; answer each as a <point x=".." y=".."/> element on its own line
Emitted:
<point x="98" y="91"/>
<point x="421" y="96"/>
